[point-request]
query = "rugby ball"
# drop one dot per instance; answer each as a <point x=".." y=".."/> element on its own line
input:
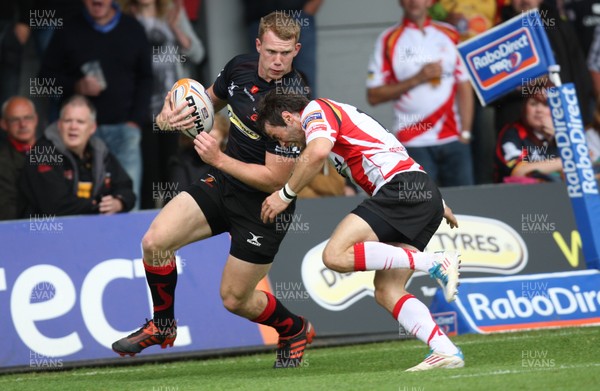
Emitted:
<point x="195" y="95"/>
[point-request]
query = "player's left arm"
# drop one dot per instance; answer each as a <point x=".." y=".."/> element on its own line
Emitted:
<point x="268" y="177"/>
<point x="309" y="165"/>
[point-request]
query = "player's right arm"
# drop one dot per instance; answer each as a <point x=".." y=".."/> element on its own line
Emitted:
<point x="217" y="102"/>
<point x="266" y="177"/>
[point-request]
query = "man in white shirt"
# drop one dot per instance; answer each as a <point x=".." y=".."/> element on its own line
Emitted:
<point x="416" y="65"/>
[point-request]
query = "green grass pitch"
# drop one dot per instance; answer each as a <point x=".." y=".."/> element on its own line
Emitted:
<point x="559" y="359"/>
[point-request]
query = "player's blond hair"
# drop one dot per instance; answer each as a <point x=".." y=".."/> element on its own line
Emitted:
<point x="281" y="24"/>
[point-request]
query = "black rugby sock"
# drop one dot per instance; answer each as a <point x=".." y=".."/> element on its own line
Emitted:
<point x="280" y="318"/>
<point x="162" y="281"/>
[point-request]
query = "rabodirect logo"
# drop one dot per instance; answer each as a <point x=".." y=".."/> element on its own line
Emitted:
<point x="504" y="58"/>
<point x="486" y="245"/>
<point x="530" y="301"/>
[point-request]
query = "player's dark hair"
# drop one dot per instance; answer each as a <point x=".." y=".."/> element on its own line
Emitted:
<point x="274" y="103"/>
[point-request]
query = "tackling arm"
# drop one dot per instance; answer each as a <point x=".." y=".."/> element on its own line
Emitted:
<point x="309" y="165"/>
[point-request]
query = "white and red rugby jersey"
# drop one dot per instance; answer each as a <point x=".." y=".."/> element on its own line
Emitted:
<point x="425" y="115"/>
<point x="362" y="149"/>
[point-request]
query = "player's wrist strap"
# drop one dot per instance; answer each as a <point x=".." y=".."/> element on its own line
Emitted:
<point x="287" y="194"/>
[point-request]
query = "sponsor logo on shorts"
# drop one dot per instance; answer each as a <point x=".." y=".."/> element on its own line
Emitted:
<point x="208" y="180"/>
<point x="254" y="240"/>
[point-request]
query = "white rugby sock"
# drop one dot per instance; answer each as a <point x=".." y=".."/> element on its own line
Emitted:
<point x="381" y="256"/>
<point x="414" y="316"/>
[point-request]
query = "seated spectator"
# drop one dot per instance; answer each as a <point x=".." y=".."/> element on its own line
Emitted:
<point x="592" y="135"/>
<point x="526" y="151"/>
<point x="104" y="55"/>
<point x="72" y="173"/>
<point x="184" y="165"/>
<point x="19" y="120"/>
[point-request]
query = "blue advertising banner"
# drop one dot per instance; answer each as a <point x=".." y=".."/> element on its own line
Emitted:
<point x="506" y="56"/>
<point x="495" y="304"/>
<point x="69" y="287"/>
<point x="582" y="187"/>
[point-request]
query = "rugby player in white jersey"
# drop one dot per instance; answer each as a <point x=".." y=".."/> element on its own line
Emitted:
<point x="388" y="231"/>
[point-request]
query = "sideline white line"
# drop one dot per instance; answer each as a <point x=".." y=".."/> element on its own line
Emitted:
<point x="516" y="371"/>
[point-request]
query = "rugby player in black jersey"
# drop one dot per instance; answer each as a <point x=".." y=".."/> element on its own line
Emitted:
<point x="228" y="198"/>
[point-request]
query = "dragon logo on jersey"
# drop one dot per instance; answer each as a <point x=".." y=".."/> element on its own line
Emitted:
<point x="486" y="245"/>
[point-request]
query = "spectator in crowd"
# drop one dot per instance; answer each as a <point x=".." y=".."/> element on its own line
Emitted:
<point x="415" y="64"/>
<point x="304" y="12"/>
<point x="14" y="33"/>
<point x="193" y="9"/>
<point x="592" y="135"/>
<point x="184" y="166"/>
<point x="567" y="53"/>
<point x="470" y="18"/>
<point x="584" y="17"/>
<point x="593" y="63"/>
<point x="104" y="55"/>
<point x="19" y="120"/>
<point x="48" y="16"/>
<point x="72" y="173"/>
<point x="173" y="43"/>
<point x="526" y="151"/>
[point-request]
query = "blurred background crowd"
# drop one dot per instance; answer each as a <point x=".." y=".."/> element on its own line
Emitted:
<point x="81" y="82"/>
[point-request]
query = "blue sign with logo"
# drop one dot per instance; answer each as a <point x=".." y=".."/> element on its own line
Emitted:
<point x="71" y="286"/>
<point x="507" y="56"/>
<point x="495" y="304"/>
<point x="578" y="171"/>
